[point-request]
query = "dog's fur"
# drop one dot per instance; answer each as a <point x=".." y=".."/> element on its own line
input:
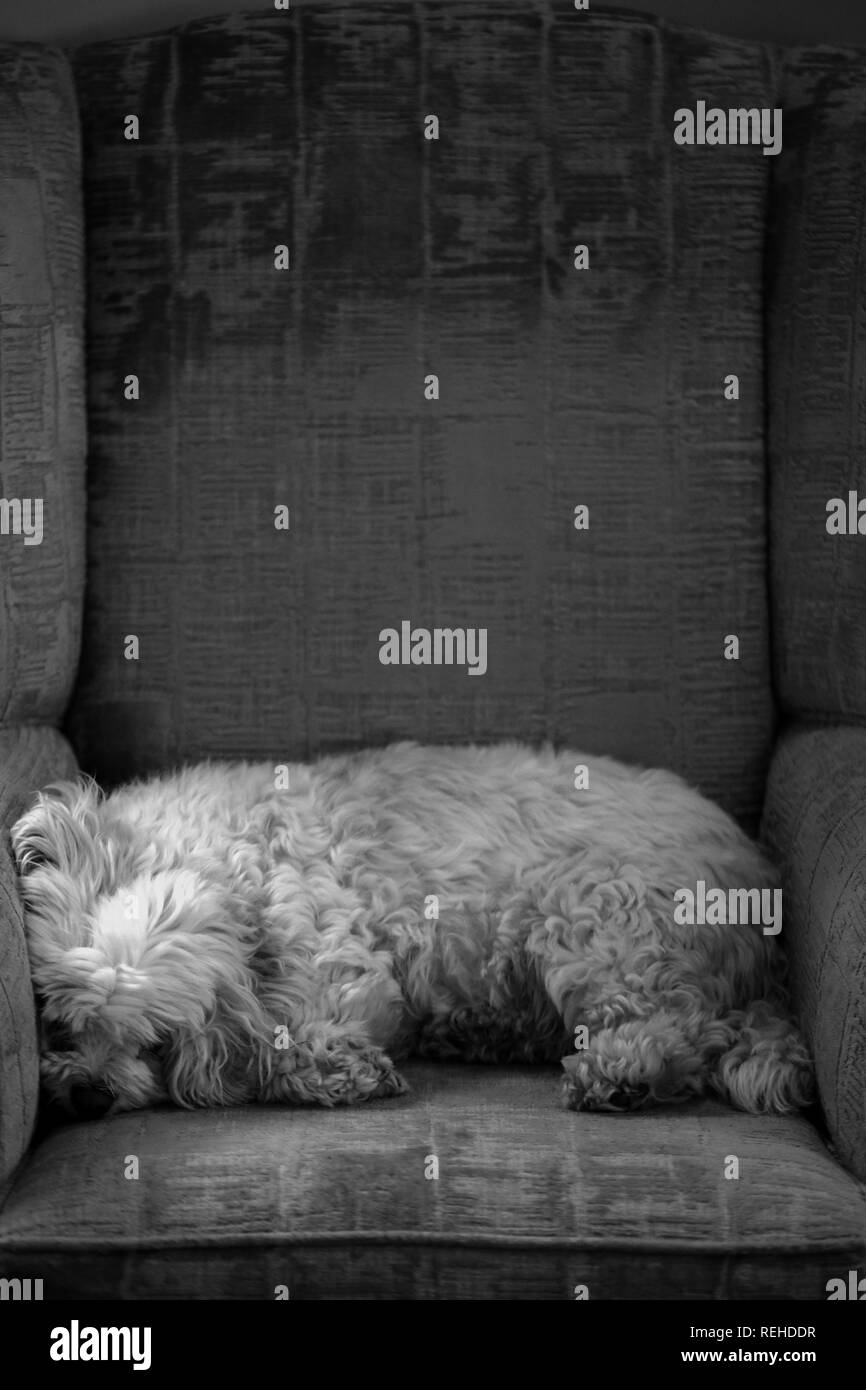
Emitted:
<point x="206" y="939"/>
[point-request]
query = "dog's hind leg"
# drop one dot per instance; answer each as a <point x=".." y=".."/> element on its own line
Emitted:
<point x="668" y="1010"/>
<point x="641" y="1019"/>
<point x="766" y="1066"/>
<point x="673" y="1046"/>
<point x="642" y="1058"/>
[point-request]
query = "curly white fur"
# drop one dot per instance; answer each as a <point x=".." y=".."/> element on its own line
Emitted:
<point x="207" y="939"/>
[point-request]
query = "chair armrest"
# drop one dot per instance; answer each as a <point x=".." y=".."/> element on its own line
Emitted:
<point x="30" y="758"/>
<point x="815" y="825"/>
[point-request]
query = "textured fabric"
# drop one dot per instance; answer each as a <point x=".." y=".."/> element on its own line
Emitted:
<point x="815" y="821"/>
<point x="530" y="1200"/>
<point x="305" y="387"/>
<point x="42" y="420"/>
<point x="29" y="758"/>
<point x="817" y="354"/>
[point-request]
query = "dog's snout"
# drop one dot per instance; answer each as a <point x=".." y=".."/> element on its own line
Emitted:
<point x="90" y="1102"/>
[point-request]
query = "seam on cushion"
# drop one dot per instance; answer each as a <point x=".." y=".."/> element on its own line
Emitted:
<point x="483" y="1240"/>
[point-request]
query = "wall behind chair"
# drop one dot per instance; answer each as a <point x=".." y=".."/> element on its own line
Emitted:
<point x="783" y="21"/>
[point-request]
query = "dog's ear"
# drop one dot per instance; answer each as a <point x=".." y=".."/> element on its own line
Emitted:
<point x="205" y="997"/>
<point x="222" y="1062"/>
<point x="60" y="827"/>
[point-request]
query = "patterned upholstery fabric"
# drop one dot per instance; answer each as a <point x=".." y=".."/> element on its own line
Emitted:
<point x="815" y="821"/>
<point x="305" y="387"/>
<point x="42" y="422"/>
<point x="530" y="1201"/>
<point x="817" y="380"/>
<point x="557" y="387"/>
<point x="29" y="758"/>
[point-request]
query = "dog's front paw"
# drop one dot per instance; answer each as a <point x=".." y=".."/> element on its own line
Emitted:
<point x="586" y="1086"/>
<point x="358" y="1071"/>
<point x="390" y="1083"/>
<point x="581" y="1091"/>
<point x="329" y="1070"/>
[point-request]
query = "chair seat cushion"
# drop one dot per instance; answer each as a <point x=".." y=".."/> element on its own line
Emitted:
<point x="530" y="1201"/>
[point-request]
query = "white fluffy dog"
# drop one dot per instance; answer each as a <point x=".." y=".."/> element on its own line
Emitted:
<point x="210" y="939"/>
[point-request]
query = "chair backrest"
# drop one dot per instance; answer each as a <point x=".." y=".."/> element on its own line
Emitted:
<point x="333" y="270"/>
